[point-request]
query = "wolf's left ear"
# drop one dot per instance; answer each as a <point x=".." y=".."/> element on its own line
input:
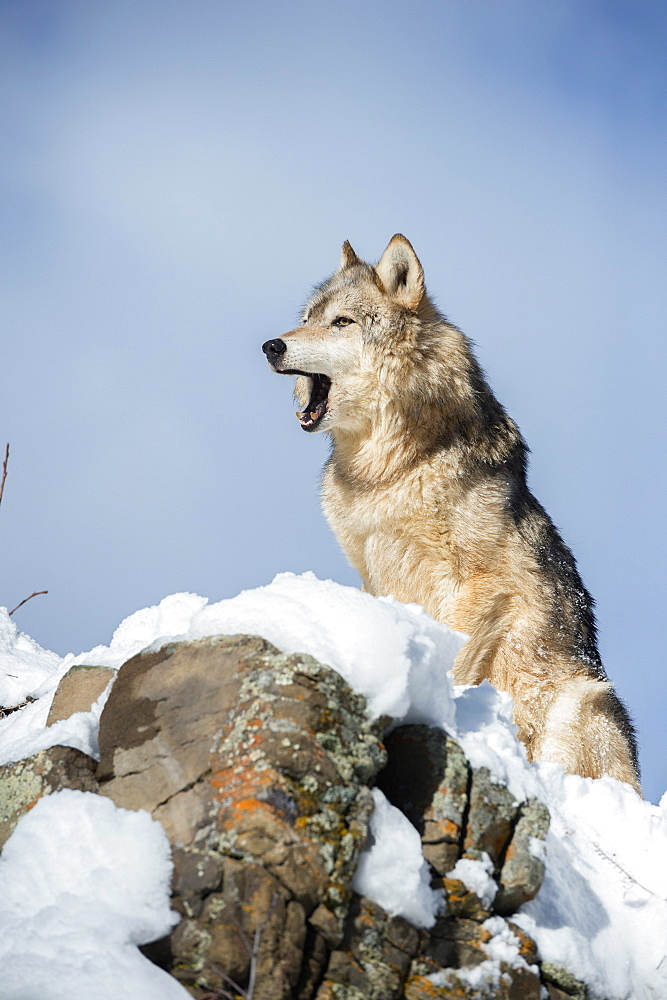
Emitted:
<point x="347" y="256"/>
<point x="401" y="273"/>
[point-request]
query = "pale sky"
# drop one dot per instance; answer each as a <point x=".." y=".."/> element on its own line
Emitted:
<point x="175" y="176"/>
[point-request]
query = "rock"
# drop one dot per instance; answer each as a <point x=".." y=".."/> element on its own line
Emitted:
<point x="24" y="782"/>
<point x="257" y="765"/>
<point x="457" y="942"/>
<point x="554" y="993"/>
<point x="491" y="817"/>
<point x="78" y="691"/>
<point x="561" y="983"/>
<point x="336" y="991"/>
<point x="315" y="958"/>
<point x="461" y="902"/>
<point x="527" y="947"/>
<point x="420" y="988"/>
<point x="229" y="941"/>
<point x="374" y="957"/>
<point x="427" y="776"/>
<point x="523" y="868"/>
<point x="416" y="758"/>
<point x="444" y="821"/>
<point x="490" y="982"/>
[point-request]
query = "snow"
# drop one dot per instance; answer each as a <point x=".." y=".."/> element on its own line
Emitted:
<point x="503" y="946"/>
<point x="602" y="911"/>
<point x="84" y="883"/>
<point x="25" y="668"/>
<point x="392" y="871"/>
<point x="25" y="733"/>
<point x="477" y="876"/>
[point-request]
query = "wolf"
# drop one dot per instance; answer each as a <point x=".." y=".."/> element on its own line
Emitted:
<point x="426" y="491"/>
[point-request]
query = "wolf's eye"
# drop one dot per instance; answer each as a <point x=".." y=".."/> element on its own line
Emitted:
<point x="342" y="321"/>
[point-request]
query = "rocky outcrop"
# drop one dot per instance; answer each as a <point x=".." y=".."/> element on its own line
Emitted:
<point x="259" y="766"/>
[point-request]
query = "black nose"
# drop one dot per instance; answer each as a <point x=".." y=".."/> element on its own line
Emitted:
<point x="274" y="348"/>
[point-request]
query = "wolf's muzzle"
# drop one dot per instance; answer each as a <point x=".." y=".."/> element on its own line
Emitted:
<point x="273" y="349"/>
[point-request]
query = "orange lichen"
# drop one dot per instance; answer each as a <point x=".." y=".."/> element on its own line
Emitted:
<point x="245" y="805"/>
<point x="242" y="783"/>
<point x="420" y="986"/>
<point x="511" y="851"/>
<point x="456" y="891"/>
<point x="449" y="828"/>
<point x="527" y="947"/>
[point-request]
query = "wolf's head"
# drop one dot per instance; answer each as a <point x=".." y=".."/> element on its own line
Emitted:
<point x="357" y="326"/>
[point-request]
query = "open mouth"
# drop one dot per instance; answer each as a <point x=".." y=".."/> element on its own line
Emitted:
<point x="319" y="398"/>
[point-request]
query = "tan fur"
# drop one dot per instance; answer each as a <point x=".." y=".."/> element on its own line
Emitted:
<point x="426" y="491"/>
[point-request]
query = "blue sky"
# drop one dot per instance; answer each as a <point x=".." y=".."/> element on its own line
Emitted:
<point x="176" y="176"/>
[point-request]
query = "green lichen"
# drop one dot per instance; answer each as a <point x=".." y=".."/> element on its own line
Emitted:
<point x="564" y="980"/>
<point x="331" y="814"/>
<point x="18" y="790"/>
<point x="343" y="992"/>
<point x="199" y="945"/>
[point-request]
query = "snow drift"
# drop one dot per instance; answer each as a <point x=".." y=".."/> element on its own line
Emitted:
<point x="602" y="911"/>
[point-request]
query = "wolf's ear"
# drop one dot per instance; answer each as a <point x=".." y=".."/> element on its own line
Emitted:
<point x="347" y="256"/>
<point x="401" y="273"/>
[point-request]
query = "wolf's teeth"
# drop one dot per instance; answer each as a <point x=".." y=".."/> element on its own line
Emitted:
<point x="301" y="415"/>
<point x="313" y="416"/>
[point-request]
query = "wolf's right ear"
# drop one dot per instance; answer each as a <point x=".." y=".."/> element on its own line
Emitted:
<point x="347" y="256"/>
<point x="400" y="272"/>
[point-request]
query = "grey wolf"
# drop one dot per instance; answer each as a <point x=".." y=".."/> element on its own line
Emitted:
<point x="426" y="490"/>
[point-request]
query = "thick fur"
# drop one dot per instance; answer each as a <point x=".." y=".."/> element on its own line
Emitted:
<point x="426" y="491"/>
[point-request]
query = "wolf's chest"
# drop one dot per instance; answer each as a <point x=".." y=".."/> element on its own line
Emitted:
<point x="395" y="541"/>
<point x="358" y="514"/>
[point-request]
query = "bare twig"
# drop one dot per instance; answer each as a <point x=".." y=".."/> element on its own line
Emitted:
<point x="25" y="600"/>
<point x="3" y="480"/>
<point x="242" y="938"/>
<point x="4" y="472"/>
<point x="239" y="991"/>
<point x="222" y="994"/>
<point x="627" y="874"/>
<point x="241" y="994"/>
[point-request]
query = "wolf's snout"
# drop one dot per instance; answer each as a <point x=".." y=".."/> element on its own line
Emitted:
<point x="274" y="348"/>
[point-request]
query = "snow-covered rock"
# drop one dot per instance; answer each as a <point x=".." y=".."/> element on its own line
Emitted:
<point x="602" y="911"/>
